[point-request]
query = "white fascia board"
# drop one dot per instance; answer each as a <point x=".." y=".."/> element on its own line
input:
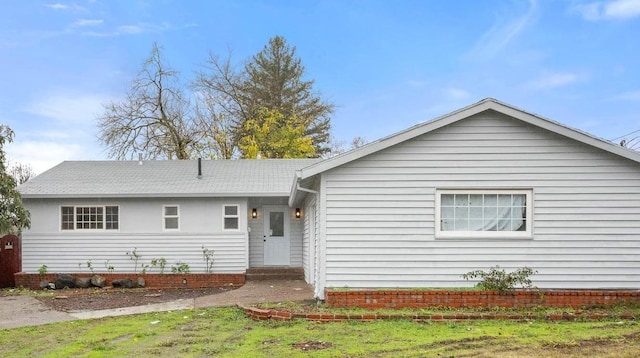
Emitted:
<point x="158" y="195"/>
<point x="485" y="104"/>
<point x="568" y="132"/>
<point x="294" y="189"/>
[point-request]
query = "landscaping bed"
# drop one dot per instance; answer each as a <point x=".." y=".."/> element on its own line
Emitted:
<point x="79" y="299"/>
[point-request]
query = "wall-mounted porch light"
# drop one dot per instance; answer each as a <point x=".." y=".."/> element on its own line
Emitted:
<point x="254" y="213"/>
<point x="298" y="213"/>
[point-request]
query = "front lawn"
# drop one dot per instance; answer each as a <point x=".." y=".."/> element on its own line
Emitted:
<point x="226" y="332"/>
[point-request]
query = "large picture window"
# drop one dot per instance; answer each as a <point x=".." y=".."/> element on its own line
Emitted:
<point x="89" y="218"/>
<point x="483" y="213"/>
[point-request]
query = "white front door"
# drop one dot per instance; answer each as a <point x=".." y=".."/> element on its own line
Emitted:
<point x="276" y="236"/>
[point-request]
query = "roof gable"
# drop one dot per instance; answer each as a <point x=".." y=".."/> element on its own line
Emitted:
<point x="453" y="117"/>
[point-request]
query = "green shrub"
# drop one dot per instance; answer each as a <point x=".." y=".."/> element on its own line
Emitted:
<point x="496" y="279"/>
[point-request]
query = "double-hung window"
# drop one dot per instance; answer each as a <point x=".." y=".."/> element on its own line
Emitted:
<point x="483" y="213"/>
<point x="171" y="217"/>
<point x="230" y="217"/>
<point x="89" y="218"/>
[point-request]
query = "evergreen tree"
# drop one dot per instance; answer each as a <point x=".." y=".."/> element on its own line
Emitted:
<point x="272" y="80"/>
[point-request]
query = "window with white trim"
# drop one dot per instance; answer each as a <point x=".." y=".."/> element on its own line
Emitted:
<point x="171" y="217"/>
<point x="230" y="217"/>
<point x="89" y="218"/>
<point x="483" y="213"/>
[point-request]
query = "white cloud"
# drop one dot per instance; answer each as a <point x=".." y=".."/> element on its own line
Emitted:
<point x="87" y="22"/>
<point x="57" y="6"/>
<point x="506" y="28"/>
<point x="69" y="108"/>
<point x="133" y="29"/>
<point x="64" y="7"/>
<point x="58" y="127"/>
<point x="42" y="155"/>
<point x="456" y="93"/>
<point x="628" y="96"/>
<point x="554" y="80"/>
<point x="609" y="10"/>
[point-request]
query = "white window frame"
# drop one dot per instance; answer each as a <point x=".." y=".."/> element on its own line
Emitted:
<point x="225" y="216"/>
<point x="165" y="217"/>
<point x="526" y="234"/>
<point x="75" y="214"/>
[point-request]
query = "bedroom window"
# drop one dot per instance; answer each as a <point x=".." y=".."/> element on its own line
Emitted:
<point x="171" y="217"/>
<point x="89" y="218"/>
<point x="483" y="213"/>
<point x="230" y="217"/>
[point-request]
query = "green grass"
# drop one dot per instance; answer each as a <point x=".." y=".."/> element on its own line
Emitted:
<point x="226" y="332"/>
<point x="614" y="310"/>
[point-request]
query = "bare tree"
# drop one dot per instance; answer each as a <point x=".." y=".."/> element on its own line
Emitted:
<point x="219" y="106"/>
<point x="358" y="142"/>
<point x="21" y="172"/>
<point x="154" y="119"/>
<point x="216" y="125"/>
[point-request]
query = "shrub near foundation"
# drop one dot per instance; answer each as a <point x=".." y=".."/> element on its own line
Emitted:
<point x="497" y="279"/>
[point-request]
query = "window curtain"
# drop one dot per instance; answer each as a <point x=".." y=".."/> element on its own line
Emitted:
<point x="483" y="212"/>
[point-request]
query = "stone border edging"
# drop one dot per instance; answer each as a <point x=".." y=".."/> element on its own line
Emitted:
<point x="152" y="280"/>
<point x="258" y="314"/>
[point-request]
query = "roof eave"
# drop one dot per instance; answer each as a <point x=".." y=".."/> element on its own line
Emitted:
<point x="153" y="195"/>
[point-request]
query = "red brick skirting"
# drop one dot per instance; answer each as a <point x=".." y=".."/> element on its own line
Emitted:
<point x="276" y="315"/>
<point x="374" y="299"/>
<point x="152" y="280"/>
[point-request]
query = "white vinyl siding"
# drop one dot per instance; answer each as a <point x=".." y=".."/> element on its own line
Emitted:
<point x="139" y="228"/>
<point x="381" y="209"/>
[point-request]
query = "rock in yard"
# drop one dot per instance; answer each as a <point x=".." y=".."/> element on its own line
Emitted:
<point x="63" y="281"/>
<point x="82" y="282"/>
<point x="44" y="285"/>
<point x="98" y="281"/>
<point x="122" y="283"/>
<point x="141" y="282"/>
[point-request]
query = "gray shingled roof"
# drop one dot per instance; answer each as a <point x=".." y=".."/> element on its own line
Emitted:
<point x="166" y="178"/>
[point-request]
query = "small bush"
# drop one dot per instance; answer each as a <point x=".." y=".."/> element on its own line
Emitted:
<point x="43" y="269"/>
<point x="496" y="279"/>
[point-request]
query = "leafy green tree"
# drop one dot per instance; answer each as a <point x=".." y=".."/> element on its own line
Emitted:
<point x="13" y="215"/>
<point x="268" y="135"/>
<point x="272" y="80"/>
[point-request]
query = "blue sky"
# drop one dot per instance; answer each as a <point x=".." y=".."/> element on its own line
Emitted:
<point x="386" y="65"/>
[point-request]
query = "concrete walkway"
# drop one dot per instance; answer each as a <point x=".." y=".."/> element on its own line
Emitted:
<point x="19" y="311"/>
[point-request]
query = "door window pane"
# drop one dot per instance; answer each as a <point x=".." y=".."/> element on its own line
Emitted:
<point x="276" y="223"/>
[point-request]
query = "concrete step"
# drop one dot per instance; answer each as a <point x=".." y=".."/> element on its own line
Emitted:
<point x="274" y="273"/>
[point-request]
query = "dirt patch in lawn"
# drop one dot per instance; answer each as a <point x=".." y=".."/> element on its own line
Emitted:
<point x="108" y="298"/>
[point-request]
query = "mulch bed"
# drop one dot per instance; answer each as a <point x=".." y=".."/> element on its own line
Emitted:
<point x="108" y="298"/>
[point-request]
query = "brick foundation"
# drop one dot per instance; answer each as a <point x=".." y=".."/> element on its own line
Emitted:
<point x="375" y="299"/>
<point x="152" y="280"/>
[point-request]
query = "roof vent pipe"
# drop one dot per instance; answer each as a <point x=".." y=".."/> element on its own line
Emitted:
<point x="139" y="158"/>
<point x="199" y="168"/>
